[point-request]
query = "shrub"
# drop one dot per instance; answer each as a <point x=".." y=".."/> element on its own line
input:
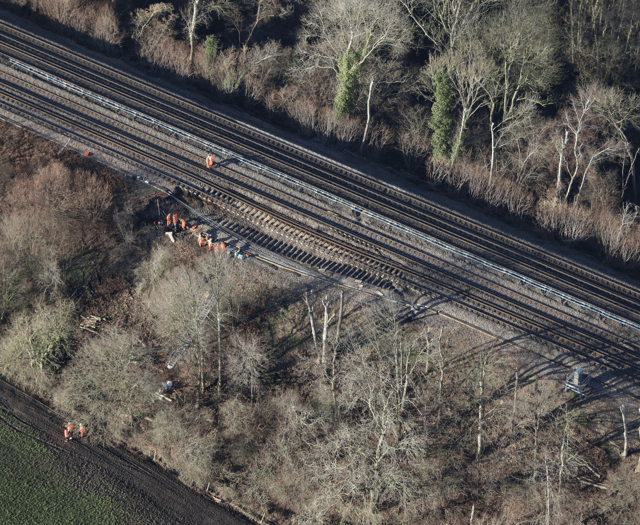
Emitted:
<point x="36" y="343"/>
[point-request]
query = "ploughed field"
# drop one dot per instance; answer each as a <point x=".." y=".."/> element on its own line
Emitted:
<point x="44" y="479"/>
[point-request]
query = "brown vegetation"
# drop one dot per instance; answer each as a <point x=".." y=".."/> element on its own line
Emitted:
<point x="376" y="420"/>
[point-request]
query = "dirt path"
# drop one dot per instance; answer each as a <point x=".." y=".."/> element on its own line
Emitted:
<point x="153" y="495"/>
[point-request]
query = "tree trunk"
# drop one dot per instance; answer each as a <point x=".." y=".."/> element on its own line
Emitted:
<point x="325" y="328"/>
<point x="339" y="317"/>
<point x="515" y="400"/>
<point x="624" y="427"/>
<point x="563" y="145"/>
<point x="309" y="301"/>
<point x="481" y="381"/>
<point x="192" y="31"/>
<point x="366" y="128"/>
<point x="493" y="151"/>
<point x="219" y="330"/>
<point x="548" y="497"/>
<point x="638" y="466"/>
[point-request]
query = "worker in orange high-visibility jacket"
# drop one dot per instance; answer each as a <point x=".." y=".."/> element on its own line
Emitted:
<point x="183" y="224"/>
<point x="81" y="429"/>
<point x="168" y="219"/>
<point x="209" y="161"/>
<point x="68" y="431"/>
<point x="175" y="219"/>
<point x="200" y="239"/>
<point x="210" y="244"/>
<point x="223" y="247"/>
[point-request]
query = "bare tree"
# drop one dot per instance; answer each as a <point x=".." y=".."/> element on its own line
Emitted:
<point x="344" y="35"/>
<point x="586" y="148"/>
<point x="310" y="301"/>
<point x="177" y="303"/>
<point x="158" y="16"/>
<point x="524" y="39"/>
<point x="247" y="15"/>
<point x="469" y="69"/>
<point x="37" y="342"/>
<point x="198" y="13"/>
<point x="109" y="384"/>
<point x="219" y="285"/>
<point x="620" y="111"/>
<point x="443" y="22"/>
<point x="246" y="362"/>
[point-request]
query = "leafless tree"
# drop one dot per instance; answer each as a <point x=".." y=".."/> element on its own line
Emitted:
<point x="159" y="17"/>
<point x="469" y="69"/>
<point x="247" y="15"/>
<point x="524" y="39"/>
<point x="196" y="14"/>
<point x="344" y="35"/>
<point x="585" y="149"/>
<point x="220" y="287"/>
<point x="37" y="342"/>
<point x="444" y="22"/>
<point x="108" y="384"/>
<point x="620" y="111"/>
<point x="246" y="361"/>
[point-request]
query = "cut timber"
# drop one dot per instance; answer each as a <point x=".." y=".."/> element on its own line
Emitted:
<point x="165" y="398"/>
<point x="170" y="235"/>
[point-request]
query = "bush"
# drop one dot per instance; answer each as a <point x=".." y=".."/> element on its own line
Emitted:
<point x="108" y="386"/>
<point x="186" y="444"/>
<point x="37" y="343"/>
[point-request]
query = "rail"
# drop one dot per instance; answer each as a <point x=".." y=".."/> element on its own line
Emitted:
<point x="208" y="147"/>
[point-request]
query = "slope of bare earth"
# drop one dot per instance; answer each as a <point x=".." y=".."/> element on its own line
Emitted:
<point x="148" y="493"/>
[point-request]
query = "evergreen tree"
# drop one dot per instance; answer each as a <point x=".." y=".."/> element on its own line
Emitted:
<point x="210" y="52"/>
<point x="349" y="67"/>
<point x="441" y="122"/>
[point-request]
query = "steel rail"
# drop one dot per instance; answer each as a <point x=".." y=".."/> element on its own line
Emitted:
<point x="502" y="313"/>
<point x="207" y="146"/>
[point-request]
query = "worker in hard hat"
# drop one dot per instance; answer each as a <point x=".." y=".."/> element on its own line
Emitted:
<point x="68" y="431"/>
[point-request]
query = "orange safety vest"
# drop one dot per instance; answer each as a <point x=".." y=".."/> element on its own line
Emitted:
<point x="210" y="243"/>
<point x="175" y="219"/>
<point x="81" y="431"/>
<point x="183" y="223"/>
<point x="169" y="220"/>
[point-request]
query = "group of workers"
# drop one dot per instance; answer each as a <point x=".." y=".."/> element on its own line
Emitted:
<point x="174" y="219"/>
<point x="68" y="431"/>
<point x="206" y="240"/>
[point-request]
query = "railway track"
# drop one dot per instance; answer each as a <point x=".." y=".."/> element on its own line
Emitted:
<point x="354" y="249"/>
<point x="416" y="213"/>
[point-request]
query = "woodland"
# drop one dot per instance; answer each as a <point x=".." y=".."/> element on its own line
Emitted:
<point x="298" y="402"/>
